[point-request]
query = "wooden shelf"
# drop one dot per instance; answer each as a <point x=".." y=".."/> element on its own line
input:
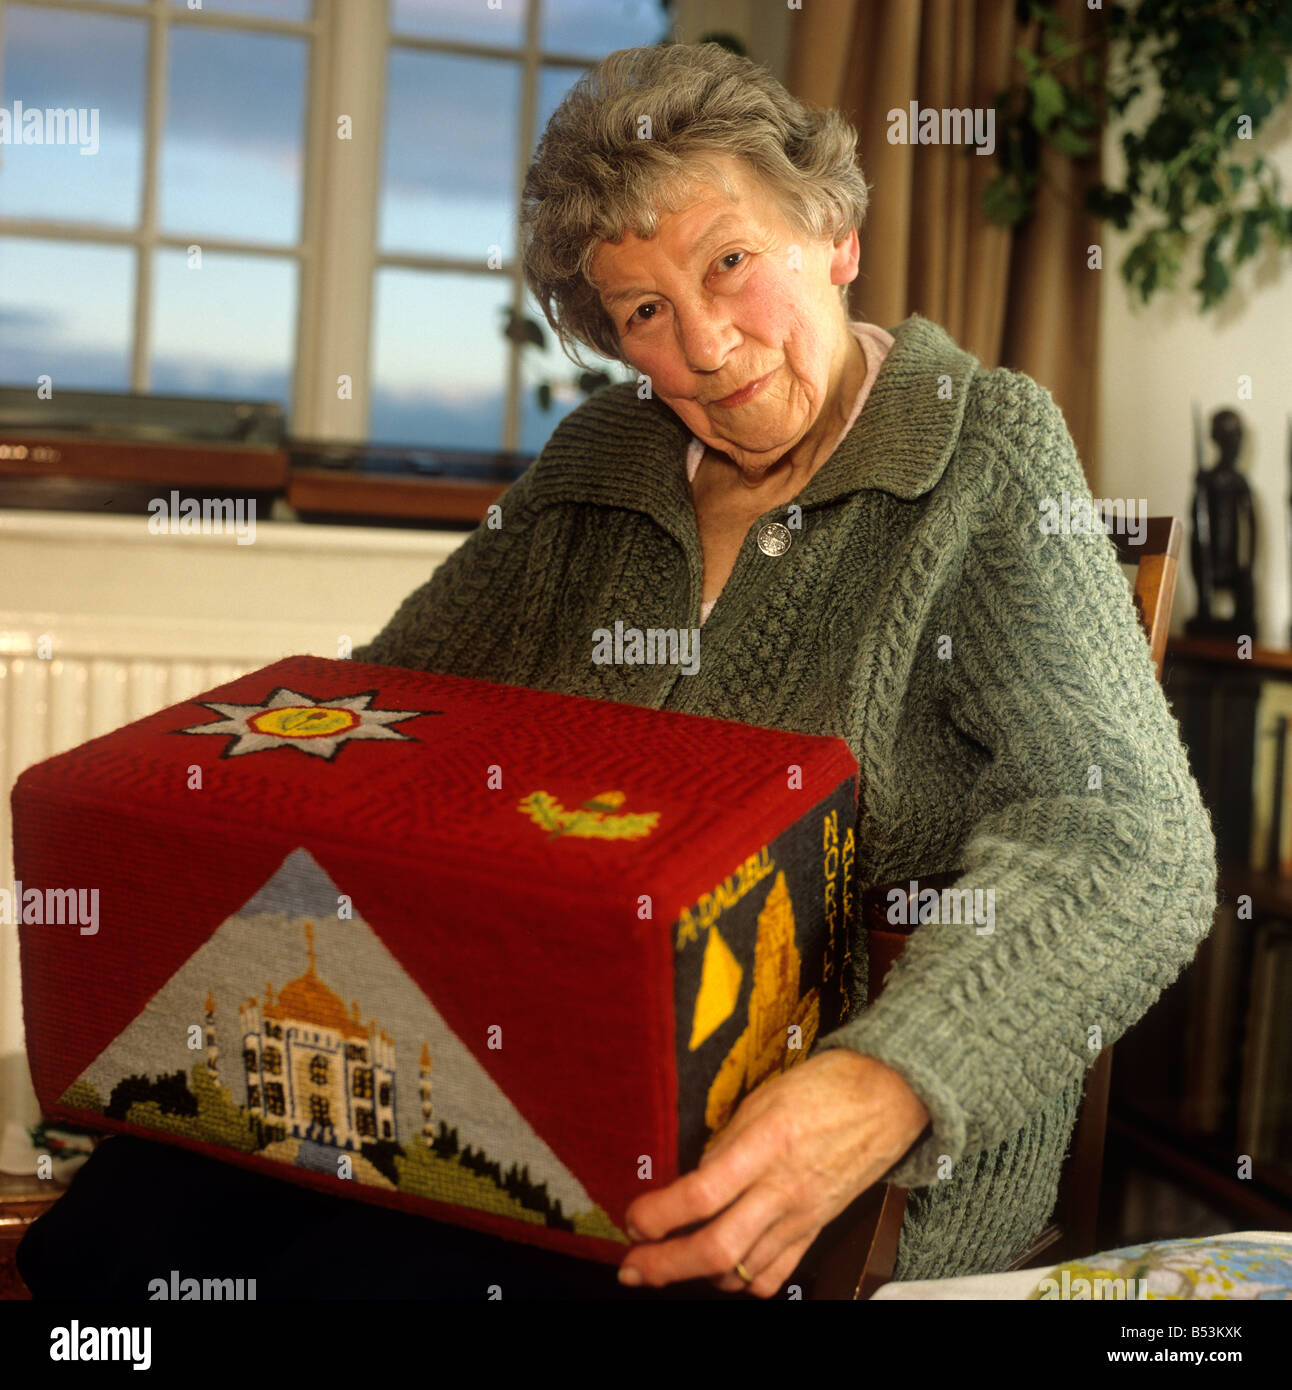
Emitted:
<point x="1219" y="651"/>
<point x="1207" y="1166"/>
<point x="1271" y="893"/>
<point x="320" y="491"/>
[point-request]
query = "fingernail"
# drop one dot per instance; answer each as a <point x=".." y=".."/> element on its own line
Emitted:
<point x="634" y="1234"/>
<point x="630" y="1276"/>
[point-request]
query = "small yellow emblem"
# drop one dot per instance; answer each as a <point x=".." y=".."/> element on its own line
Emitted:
<point x="304" y="721"/>
<point x="595" y="819"/>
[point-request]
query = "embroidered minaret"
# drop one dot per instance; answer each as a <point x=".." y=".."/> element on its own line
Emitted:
<point x="212" y="1050"/>
<point x="424" y="1086"/>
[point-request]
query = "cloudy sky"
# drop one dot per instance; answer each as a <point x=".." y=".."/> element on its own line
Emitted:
<point x="231" y="161"/>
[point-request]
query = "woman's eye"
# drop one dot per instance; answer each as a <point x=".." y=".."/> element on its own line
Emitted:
<point x="632" y="318"/>
<point x="732" y="255"/>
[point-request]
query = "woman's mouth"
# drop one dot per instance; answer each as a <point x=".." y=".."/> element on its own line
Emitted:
<point x="746" y="393"/>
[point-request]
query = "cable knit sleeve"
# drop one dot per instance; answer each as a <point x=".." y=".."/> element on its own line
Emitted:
<point x="467" y="618"/>
<point x="1087" y="828"/>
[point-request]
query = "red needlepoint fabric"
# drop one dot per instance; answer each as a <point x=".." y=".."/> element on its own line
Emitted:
<point x="499" y="956"/>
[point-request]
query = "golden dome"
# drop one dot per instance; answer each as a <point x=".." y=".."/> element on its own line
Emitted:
<point x="310" y="1000"/>
<point x="307" y="998"/>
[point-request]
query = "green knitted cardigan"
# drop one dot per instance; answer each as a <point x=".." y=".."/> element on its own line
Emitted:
<point x="993" y="683"/>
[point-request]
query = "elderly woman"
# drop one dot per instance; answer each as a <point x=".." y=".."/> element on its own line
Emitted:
<point x="851" y="520"/>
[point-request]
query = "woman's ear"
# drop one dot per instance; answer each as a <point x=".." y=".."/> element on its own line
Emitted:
<point x="845" y="259"/>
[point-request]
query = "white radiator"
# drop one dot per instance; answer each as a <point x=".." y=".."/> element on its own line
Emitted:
<point x="49" y="706"/>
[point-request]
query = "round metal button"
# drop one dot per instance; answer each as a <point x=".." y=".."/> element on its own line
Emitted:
<point x="774" y="539"/>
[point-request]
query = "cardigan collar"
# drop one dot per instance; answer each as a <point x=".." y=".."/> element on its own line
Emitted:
<point x="617" y="451"/>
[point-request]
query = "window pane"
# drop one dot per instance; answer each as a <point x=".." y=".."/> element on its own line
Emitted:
<point x="439" y="359"/>
<point x="83" y="67"/>
<point x="227" y="329"/>
<point x="66" y="309"/>
<point x="552" y="367"/>
<point x="450" y="155"/>
<point x="598" y="27"/>
<point x="231" y="153"/>
<point x="265" y="9"/>
<point x="553" y="83"/>
<point x="470" y="21"/>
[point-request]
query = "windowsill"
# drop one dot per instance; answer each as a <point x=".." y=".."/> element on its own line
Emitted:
<point x="280" y="531"/>
<point x="124" y="479"/>
<point x="410" y="504"/>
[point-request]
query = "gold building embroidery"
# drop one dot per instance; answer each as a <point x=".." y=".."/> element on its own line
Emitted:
<point x="763" y="1050"/>
<point x="315" y="1072"/>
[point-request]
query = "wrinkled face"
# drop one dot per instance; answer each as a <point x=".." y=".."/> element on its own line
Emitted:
<point x="734" y="316"/>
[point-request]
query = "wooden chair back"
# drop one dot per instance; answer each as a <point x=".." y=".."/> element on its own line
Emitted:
<point x="856" y="1253"/>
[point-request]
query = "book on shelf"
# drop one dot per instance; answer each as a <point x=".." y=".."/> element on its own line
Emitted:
<point x="1213" y="1034"/>
<point x="1150" y="1075"/>
<point x="1234" y="711"/>
<point x="1219" y="724"/>
<point x="1270" y="847"/>
<point x="1265" y="1098"/>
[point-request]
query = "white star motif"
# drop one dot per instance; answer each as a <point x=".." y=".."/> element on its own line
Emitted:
<point x="289" y="719"/>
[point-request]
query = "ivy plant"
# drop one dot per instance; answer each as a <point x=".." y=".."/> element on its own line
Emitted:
<point x="1222" y="68"/>
<point x="528" y="332"/>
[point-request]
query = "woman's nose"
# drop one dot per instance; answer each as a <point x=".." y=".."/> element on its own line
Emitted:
<point x="706" y="335"/>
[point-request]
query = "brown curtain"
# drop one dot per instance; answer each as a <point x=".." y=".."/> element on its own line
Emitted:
<point x="1019" y="297"/>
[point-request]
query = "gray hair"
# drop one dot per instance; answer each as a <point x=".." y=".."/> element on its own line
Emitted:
<point x="596" y="176"/>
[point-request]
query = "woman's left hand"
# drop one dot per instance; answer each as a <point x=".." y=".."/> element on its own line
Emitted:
<point x="797" y="1151"/>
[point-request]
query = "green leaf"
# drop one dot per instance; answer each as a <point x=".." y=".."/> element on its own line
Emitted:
<point x="1081" y="112"/>
<point x="1269" y="69"/>
<point x="1090" y="69"/>
<point x="1113" y="206"/>
<point x="1214" y="281"/>
<point x="1236" y="172"/>
<point x="1167" y="135"/>
<point x="1047" y="99"/>
<point x="1004" y="202"/>
<point x="592" y="381"/>
<point x="1249" y="236"/>
<point x="1067" y="141"/>
<point x="543" y="392"/>
<point x="519" y="328"/>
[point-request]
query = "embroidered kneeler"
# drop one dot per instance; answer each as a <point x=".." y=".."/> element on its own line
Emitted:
<point x="501" y="957"/>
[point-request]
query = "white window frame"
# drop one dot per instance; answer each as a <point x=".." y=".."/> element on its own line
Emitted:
<point x="146" y="238"/>
<point x="336" y="253"/>
<point x="532" y="58"/>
